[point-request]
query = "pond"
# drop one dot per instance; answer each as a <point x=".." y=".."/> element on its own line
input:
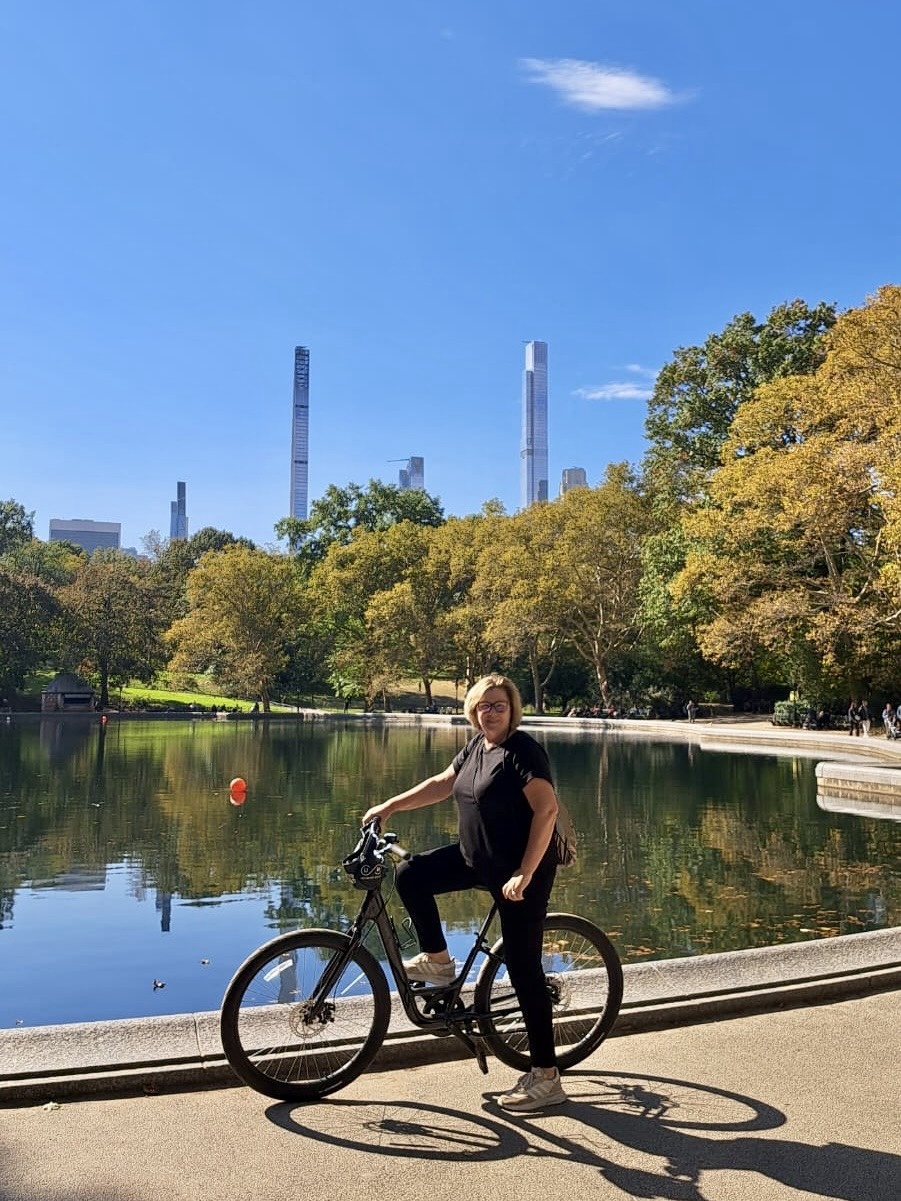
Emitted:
<point x="130" y="884"/>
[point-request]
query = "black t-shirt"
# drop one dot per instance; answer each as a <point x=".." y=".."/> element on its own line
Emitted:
<point x="495" y="817"/>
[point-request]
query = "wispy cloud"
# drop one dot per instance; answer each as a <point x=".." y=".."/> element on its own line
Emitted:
<point x="592" y="86"/>
<point x="632" y="389"/>
<point x="621" y="391"/>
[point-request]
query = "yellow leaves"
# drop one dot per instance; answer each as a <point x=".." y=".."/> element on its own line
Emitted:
<point x="798" y="544"/>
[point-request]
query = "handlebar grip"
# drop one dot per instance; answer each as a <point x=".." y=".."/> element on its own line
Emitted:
<point x="397" y="851"/>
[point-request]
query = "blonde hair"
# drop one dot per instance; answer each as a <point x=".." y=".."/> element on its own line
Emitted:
<point x="478" y="690"/>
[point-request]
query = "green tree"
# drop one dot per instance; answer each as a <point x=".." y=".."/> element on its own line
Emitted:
<point x="696" y="398"/>
<point x="27" y="611"/>
<point x="173" y="559"/>
<point x="515" y="592"/>
<point x="364" y="655"/>
<point x="53" y="562"/>
<point x="794" y="559"/>
<point x="110" y="625"/>
<point x="16" y="526"/>
<point x="335" y="516"/>
<point x="698" y="393"/>
<point x="245" y="612"/>
<point x="594" y="569"/>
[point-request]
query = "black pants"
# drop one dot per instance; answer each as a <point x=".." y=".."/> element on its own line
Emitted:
<point x="425" y="876"/>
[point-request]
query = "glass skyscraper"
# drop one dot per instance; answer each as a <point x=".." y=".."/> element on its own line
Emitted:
<point x="300" y="425"/>
<point x="413" y="474"/>
<point x="533" y="447"/>
<point x="178" y="515"/>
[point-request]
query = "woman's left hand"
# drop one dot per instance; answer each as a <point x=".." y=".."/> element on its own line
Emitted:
<point x="515" y="887"/>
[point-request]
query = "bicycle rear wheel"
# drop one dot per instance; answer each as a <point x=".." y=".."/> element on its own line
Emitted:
<point x="585" y="981"/>
<point x="272" y="1037"/>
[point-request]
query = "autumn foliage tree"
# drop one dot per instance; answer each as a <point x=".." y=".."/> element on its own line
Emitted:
<point x="245" y="610"/>
<point x="795" y="556"/>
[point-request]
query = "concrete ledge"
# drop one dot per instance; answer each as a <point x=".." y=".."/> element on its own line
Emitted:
<point x="184" y="1051"/>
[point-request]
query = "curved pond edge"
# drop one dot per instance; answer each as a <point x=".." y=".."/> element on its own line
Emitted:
<point x="184" y="1051"/>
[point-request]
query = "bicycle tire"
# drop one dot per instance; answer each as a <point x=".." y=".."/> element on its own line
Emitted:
<point x="585" y="980"/>
<point x="263" y="1035"/>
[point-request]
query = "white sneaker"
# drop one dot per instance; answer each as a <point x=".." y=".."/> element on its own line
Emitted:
<point x="423" y="969"/>
<point x="533" y="1092"/>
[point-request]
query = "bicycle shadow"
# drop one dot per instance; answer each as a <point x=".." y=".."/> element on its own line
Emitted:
<point x="684" y="1125"/>
<point x="645" y="1117"/>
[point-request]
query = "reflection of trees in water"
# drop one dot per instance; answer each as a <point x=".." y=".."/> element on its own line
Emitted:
<point x="711" y="851"/>
<point x="681" y="850"/>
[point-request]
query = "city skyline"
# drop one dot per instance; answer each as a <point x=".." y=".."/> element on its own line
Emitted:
<point x="410" y="197"/>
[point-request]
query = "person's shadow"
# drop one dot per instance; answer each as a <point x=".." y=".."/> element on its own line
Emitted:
<point x="661" y="1118"/>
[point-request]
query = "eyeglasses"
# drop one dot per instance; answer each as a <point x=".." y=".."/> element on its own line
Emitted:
<point x="497" y="706"/>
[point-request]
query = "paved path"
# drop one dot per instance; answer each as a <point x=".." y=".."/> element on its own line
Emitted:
<point x="803" y="1103"/>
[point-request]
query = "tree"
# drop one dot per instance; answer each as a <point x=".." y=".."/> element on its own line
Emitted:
<point x="110" y="625"/>
<point x="16" y="526"/>
<point x="698" y="393"/>
<point x="173" y="559"/>
<point x="517" y="595"/>
<point x="335" y="516"/>
<point x="794" y="559"/>
<point x="696" y="398"/>
<point x="594" y="568"/>
<point x="53" y="562"/>
<point x="344" y="586"/>
<point x="245" y="611"/>
<point x="27" y="610"/>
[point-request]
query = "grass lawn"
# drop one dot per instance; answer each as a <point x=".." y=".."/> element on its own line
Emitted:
<point x="407" y="695"/>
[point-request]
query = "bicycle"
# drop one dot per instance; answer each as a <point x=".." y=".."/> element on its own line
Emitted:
<point x="307" y="1012"/>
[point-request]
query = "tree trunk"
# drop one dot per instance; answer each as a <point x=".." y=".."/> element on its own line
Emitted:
<point x="600" y="672"/>
<point x="427" y="692"/>
<point x="537" y="682"/>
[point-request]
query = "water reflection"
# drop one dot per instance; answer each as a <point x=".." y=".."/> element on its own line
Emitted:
<point x="682" y="851"/>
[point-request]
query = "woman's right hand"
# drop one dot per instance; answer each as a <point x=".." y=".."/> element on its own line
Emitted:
<point x="380" y="811"/>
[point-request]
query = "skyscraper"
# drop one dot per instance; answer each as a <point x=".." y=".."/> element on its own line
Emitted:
<point x="300" y="426"/>
<point x="89" y="535"/>
<point x="413" y="475"/>
<point x="178" y="518"/>
<point x="533" y="447"/>
<point x="573" y="477"/>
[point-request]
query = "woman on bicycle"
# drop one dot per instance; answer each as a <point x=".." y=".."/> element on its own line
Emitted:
<point x="501" y="782"/>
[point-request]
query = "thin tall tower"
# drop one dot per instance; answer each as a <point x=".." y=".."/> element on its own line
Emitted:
<point x="533" y="447"/>
<point x="178" y="514"/>
<point x="300" y="426"/>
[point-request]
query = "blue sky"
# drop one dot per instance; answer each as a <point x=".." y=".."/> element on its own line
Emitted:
<point x="411" y="189"/>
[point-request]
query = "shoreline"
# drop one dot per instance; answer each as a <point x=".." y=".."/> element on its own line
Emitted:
<point x="183" y="1051"/>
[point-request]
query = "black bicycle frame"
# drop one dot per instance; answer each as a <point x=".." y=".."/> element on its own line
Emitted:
<point x="449" y="1017"/>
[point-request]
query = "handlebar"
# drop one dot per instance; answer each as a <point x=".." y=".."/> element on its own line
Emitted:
<point x="366" y="862"/>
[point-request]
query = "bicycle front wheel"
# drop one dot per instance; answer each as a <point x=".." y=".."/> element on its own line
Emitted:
<point x="292" y="1031"/>
<point x="585" y="982"/>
